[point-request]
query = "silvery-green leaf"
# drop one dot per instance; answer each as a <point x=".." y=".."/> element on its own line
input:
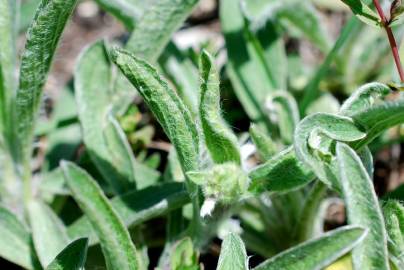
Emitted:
<point x="266" y="147"/>
<point x="137" y="207"/>
<point x="184" y="256"/>
<point x="282" y="172"/>
<point x="118" y="249"/>
<point x="233" y="255"/>
<point x="93" y="81"/>
<point x="42" y="40"/>
<point x="362" y="210"/>
<point x="72" y="257"/>
<point x="48" y="232"/>
<point x="394" y="219"/>
<point x="127" y="11"/>
<point x="313" y="142"/>
<point x="154" y="29"/>
<point x="284" y="109"/>
<point x="247" y="67"/>
<point x="168" y="108"/>
<point x="219" y="138"/>
<point x="16" y="243"/>
<point x="317" y="253"/>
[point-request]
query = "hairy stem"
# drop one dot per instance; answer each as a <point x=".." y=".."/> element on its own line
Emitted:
<point x="392" y="40"/>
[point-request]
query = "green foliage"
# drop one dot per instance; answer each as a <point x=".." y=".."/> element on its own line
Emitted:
<point x="220" y="140"/>
<point x="265" y="192"/>
<point x="233" y="255"/>
<point x="72" y="257"/>
<point x="118" y="249"/>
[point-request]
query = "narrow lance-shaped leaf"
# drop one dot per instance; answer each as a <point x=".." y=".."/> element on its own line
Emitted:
<point x="8" y="57"/>
<point x="246" y="67"/>
<point x="272" y="174"/>
<point x="42" y="40"/>
<point x="220" y="140"/>
<point x="137" y="207"/>
<point x="124" y="10"/>
<point x="313" y="142"/>
<point x="312" y="89"/>
<point x="116" y="244"/>
<point x="48" y="231"/>
<point x="317" y="253"/>
<point x="93" y="97"/>
<point x="283" y="108"/>
<point x="72" y="257"/>
<point x="165" y="104"/>
<point x="16" y="243"/>
<point x="154" y="29"/>
<point x="233" y="255"/>
<point x="266" y="147"/>
<point x="363" y="210"/>
<point x="394" y="219"/>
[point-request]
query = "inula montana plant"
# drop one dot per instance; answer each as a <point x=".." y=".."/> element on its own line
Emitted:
<point x="224" y="155"/>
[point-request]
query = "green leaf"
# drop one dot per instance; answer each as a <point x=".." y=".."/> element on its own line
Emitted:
<point x="378" y="118"/>
<point x="233" y="255"/>
<point x="394" y="219"/>
<point x="363" y="12"/>
<point x="183" y="256"/>
<point x="363" y="210"/>
<point x="102" y="135"/>
<point x="317" y="253"/>
<point x="137" y="207"/>
<point x="16" y="242"/>
<point x="72" y="257"/>
<point x="247" y="67"/>
<point x="42" y="40"/>
<point x="48" y="232"/>
<point x="266" y="147"/>
<point x="219" y="138"/>
<point x="8" y="57"/>
<point x="184" y="75"/>
<point x="155" y="28"/>
<point x="365" y="97"/>
<point x="286" y="113"/>
<point x="126" y="11"/>
<point x="282" y="172"/>
<point x="313" y="142"/>
<point x="165" y="104"/>
<point x="312" y="89"/>
<point x="118" y="249"/>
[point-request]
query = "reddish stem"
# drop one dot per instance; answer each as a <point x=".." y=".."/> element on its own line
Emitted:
<point x="392" y="40"/>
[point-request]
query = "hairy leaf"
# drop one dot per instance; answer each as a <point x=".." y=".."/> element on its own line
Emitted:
<point x="102" y="136"/>
<point x="266" y="147"/>
<point x="363" y="210"/>
<point x="317" y="253"/>
<point x="168" y="108"/>
<point x="16" y="242"/>
<point x="154" y="29"/>
<point x="286" y="113"/>
<point x="394" y="219"/>
<point x="42" y="40"/>
<point x="72" y="257"/>
<point x="247" y="68"/>
<point x="282" y="172"/>
<point x="48" y="231"/>
<point x="313" y="140"/>
<point x="127" y="11"/>
<point x="8" y="57"/>
<point x="233" y="255"/>
<point x="220" y="140"/>
<point x="118" y="249"/>
<point x="137" y="207"/>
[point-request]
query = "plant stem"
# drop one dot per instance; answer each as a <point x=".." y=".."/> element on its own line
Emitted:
<point x="392" y="40"/>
